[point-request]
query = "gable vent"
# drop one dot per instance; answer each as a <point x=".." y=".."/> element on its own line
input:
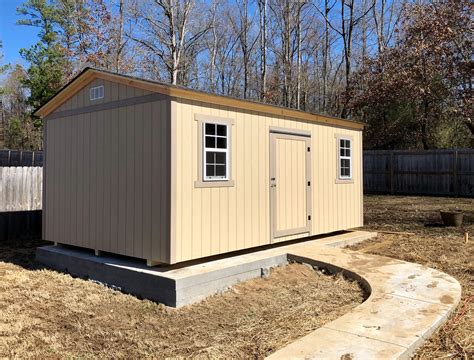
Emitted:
<point x="97" y="92"/>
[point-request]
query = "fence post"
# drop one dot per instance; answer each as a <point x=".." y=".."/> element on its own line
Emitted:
<point x="455" y="174"/>
<point x="392" y="185"/>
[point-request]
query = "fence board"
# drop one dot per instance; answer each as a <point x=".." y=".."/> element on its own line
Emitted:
<point x="20" y="188"/>
<point x="432" y="172"/>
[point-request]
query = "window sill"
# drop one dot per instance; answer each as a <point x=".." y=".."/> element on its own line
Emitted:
<point x="213" y="184"/>
<point x="344" y="181"/>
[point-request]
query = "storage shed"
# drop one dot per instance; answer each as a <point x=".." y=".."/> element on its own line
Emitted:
<point x="167" y="174"/>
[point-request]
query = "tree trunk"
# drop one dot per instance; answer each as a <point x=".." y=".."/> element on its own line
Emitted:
<point x="214" y="49"/>
<point x="326" y="54"/>
<point x="347" y="31"/>
<point x="119" y="39"/>
<point x="298" y="59"/>
<point x="286" y="54"/>
<point x="263" y="49"/>
<point x="379" y="24"/>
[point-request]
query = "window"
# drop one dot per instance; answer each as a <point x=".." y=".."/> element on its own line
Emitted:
<point x="345" y="159"/>
<point x="97" y="92"/>
<point x="215" y="152"/>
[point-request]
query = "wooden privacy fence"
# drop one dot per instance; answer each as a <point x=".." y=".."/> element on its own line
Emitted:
<point x="430" y="172"/>
<point x="21" y="158"/>
<point x="20" y="188"/>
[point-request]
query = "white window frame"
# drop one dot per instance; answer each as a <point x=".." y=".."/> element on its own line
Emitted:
<point x="221" y="150"/>
<point x="209" y="182"/>
<point x="96" y="93"/>
<point x="341" y="157"/>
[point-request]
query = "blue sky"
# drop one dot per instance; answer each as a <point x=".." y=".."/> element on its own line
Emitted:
<point x="14" y="37"/>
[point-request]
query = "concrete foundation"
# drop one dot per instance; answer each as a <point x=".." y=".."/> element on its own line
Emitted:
<point x="176" y="286"/>
<point x="162" y="285"/>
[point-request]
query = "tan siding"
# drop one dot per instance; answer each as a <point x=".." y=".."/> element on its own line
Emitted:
<point x="112" y="184"/>
<point x="93" y="155"/>
<point x="195" y="198"/>
<point x="147" y="188"/>
<point x="107" y="177"/>
<point x="214" y="220"/>
<point x="129" y="164"/>
<point x="112" y="92"/>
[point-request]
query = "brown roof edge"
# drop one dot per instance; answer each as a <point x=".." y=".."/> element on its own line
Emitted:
<point x="63" y="94"/>
<point x="88" y="74"/>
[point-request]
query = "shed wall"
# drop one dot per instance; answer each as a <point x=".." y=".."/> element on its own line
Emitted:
<point x="106" y="177"/>
<point x="112" y="92"/>
<point x="209" y="221"/>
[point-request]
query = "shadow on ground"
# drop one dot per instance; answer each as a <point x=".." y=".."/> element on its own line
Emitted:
<point x="21" y="252"/>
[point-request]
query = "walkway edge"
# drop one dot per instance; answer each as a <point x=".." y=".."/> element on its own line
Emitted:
<point x="407" y="303"/>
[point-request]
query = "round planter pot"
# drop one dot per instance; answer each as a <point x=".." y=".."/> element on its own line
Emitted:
<point x="452" y="217"/>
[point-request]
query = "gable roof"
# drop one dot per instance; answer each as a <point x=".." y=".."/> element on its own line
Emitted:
<point x="89" y="74"/>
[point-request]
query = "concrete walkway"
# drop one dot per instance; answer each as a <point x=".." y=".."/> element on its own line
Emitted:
<point x="407" y="303"/>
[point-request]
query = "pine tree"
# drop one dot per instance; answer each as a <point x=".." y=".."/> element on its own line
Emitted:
<point x="47" y="60"/>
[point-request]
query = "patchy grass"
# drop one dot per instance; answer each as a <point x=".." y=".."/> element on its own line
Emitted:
<point x="433" y="245"/>
<point x="49" y="314"/>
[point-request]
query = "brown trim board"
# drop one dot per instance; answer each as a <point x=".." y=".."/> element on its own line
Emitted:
<point x="182" y="93"/>
<point x="65" y="93"/>
<point x="108" y="105"/>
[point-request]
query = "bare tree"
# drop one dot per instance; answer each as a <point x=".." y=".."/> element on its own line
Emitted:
<point x="282" y="17"/>
<point x="262" y="5"/>
<point x="165" y="28"/>
<point x="242" y="25"/>
<point x="296" y="53"/>
<point x="386" y="15"/>
<point x="119" y="41"/>
<point x="326" y="54"/>
<point x="212" y="44"/>
<point x="299" y="45"/>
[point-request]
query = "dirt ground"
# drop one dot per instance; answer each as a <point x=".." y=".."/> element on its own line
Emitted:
<point x="433" y="245"/>
<point x="46" y="314"/>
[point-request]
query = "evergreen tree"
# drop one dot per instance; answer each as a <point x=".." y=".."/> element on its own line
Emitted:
<point x="3" y="67"/>
<point x="47" y="60"/>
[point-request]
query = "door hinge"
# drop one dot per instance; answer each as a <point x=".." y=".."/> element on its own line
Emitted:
<point x="309" y="149"/>
<point x="309" y="217"/>
<point x="309" y="183"/>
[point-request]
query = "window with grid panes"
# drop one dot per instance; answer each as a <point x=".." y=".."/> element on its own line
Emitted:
<point x="345" y="159"/>
<point x="216" y="152"/>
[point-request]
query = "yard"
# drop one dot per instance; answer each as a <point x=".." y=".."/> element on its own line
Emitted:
<point x="49" y="314"/>
<point x="432" y="245"/>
